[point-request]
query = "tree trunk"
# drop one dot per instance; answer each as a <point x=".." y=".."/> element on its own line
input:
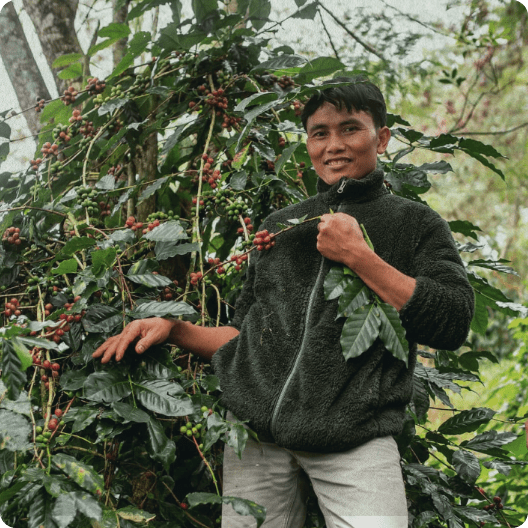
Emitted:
<point x="119" y="17"/>
<point x="54" y="24"/>
<point x="21" y="66"/>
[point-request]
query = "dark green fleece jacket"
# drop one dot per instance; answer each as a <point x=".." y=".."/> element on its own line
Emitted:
<point x="285" y="372"/>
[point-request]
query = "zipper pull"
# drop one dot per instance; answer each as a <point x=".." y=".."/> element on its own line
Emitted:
<point x="342" y="186"/>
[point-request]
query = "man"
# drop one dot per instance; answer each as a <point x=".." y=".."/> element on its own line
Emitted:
<point x="321" y="419"/>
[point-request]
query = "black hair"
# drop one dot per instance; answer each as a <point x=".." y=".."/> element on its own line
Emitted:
<point x="359" y="94"/>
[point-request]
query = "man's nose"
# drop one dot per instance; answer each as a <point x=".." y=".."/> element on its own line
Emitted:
<point x="335" y="143"/>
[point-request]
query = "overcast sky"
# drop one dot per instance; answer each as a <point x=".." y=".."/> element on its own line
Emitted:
<point x="301" y="34"/>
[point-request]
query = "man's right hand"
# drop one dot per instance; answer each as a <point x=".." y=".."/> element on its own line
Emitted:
<point x="144" y="332"/>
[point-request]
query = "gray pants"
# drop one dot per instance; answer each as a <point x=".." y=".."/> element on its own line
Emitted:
<point x="359" y="488"/>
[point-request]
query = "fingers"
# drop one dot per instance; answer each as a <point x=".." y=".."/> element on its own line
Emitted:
<point x="115" y="346"/>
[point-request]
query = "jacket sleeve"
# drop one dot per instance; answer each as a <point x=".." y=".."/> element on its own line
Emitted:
<point x="440" y="310"/>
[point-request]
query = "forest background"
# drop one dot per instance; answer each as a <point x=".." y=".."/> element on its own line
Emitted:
<point x="459" y="73"/>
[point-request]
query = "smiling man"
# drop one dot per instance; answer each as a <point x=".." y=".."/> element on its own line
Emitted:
<point x="321" y="420"/>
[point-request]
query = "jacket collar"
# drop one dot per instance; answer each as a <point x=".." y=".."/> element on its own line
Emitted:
<point x="352" y="190"/>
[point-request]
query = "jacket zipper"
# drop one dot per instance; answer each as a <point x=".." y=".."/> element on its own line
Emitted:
<point x="342" y="186"/>
<point x="299" y="353"/>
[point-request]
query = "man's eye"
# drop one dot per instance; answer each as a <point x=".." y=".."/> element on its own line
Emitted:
<point x="351" y="128"/>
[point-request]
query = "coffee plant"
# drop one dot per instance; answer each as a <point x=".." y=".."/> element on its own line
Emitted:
<point x="144" y="198"/>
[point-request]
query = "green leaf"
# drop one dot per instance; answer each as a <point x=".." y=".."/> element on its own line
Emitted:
<point x="279" y="63"/>
<point x="240" y="158"/>
<point x="465" y="227"/>
<point x="360" y="331"/>
<point x="71" y="72"/>
<point x="14" y="431"/>
<point x="76" y="244"/>
<point x="489" y="440"/>
<point x="66" y="266"/>
<point x="167" y="232"/>
<point x="82" y="417"/>
<point x="320" y="67"/>
<point x="80" y="473"/>
<point x="101" y="46"/>
<point x="5" y="130"/>
<point x="66" y="60"/>
<point x="21" y="405"/>
<point x="129" y="413"/>
<point x="162" y="449"/>
<point x="241" y="506"/>
<point x="472" y="146"/>
<point x="151" y="189"/>
<point x="112" y="105"/>
<point x="146" y="5"/>
<point x="101" y="318"/>
<point x="107" y="386"/>
<point x="285" y="157"/>
<point x="467" y="421"/>
<point x="466" y="465"/>
<point x="356" y="294"/>
<point x="135" y="515"/>
<point x="13" y="374"/>
<point x="392" y="333"/>
<point x="159" y="396"/>
<point x="237" y="438"/>
<point x="40" y="512"/>
<point x="258" y="13"/>
<point x="334" y="283"/>
<point x="497" y="265"/>
<point x="161" y="309"/>
<point x="498" y="465"/>
<point x="436" y="167"/>
<point x="307" y="12"/>
<point x="263" y="97"/>
<point x="115" y="30"/>
<point x="150" y="280"/>
<point x="165" y="250"/>
<point x="64" y="510"/>
<point x="136" y="47"/>
<point x="479" y="323"/>
<point x="103" y="259"/>
<point x="203" y="8"/>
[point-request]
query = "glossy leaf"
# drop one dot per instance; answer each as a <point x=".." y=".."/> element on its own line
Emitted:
<point x="14" y="431"/>
<point x="466" y="465"/>
<point x="150" y="280"/>
<point x="162" y="449"/>
<point x="159" y="396"/>
<point x="334" y="283"/>
<point x="13" y="374"/>
<point x="237" y="438"/>
<point x="467" y="421"/>
<point x="40" y="512"/>
<point x="360" y="331"/>
<point x="162" y="309"/>
<point x="489" y="440"/>
<point x="165" y="250"/>
<point x="130" y="413"/>
<point x="107" y="386"/>
<point x="355" y="295"/>
<point x="167" y="232"/>
<point x="80" y="473"/>
<point x="392" y="332"/>
<point x="101" y="318"/>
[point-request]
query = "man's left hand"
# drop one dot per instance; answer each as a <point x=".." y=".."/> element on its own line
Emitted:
<point x="340" y="239"/>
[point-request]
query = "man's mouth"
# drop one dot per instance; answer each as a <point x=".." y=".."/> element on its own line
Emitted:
<point x="336" y="162"/>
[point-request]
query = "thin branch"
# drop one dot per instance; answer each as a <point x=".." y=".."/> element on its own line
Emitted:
<point x="498" y="133"/>
<point x="367" y="46"/>
<point x="329" y="36"/>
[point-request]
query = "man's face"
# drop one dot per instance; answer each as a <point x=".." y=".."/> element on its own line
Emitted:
<point x="342" y="143"/>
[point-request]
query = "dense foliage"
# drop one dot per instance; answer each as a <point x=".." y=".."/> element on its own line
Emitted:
<point x="144" y="199"/>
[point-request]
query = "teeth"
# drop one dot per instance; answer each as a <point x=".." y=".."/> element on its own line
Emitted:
<point x="337" y="162"/>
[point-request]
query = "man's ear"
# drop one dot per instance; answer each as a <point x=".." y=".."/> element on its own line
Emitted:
<point x="384" y="135"/>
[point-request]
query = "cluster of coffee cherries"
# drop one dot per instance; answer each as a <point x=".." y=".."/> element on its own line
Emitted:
<point x="191" y="430"/>
<point x="48" y="283"/>
<point x="195" y="277"/>
<point x="76" y="117"/>
<point x="40" y="105"/>
<point x="12" y="236"/>
<point x="236" y="208"/>
<point x="35" y="163"/>
<point x="49" y="149"/>
<point x="86" y="197"/>
<point x="12" y="307"/>
<point x="42" y="437"/>
<point x="61" y="134"/>
<point x="160" y="215"/>
<point x="105" y="209"/>
<point x="69" y="95"/>
<point x="496" y="504"/>
<point x="215" y="262"/>
<point x="298" y="107"/>
<point x="264" y="240"/>
<point x="95" y="86"/>
<point x="249" y="226"/>
<point x="210" y="176"/>
<point x="238" y="260"/>
<point x="132" y="224"/>
<point x="231" y="122"/>
<point x="141" y="82"/>
<point x="168" y="294"/>
<point x="115" y="93"/>
<point x="115" y="170"/>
